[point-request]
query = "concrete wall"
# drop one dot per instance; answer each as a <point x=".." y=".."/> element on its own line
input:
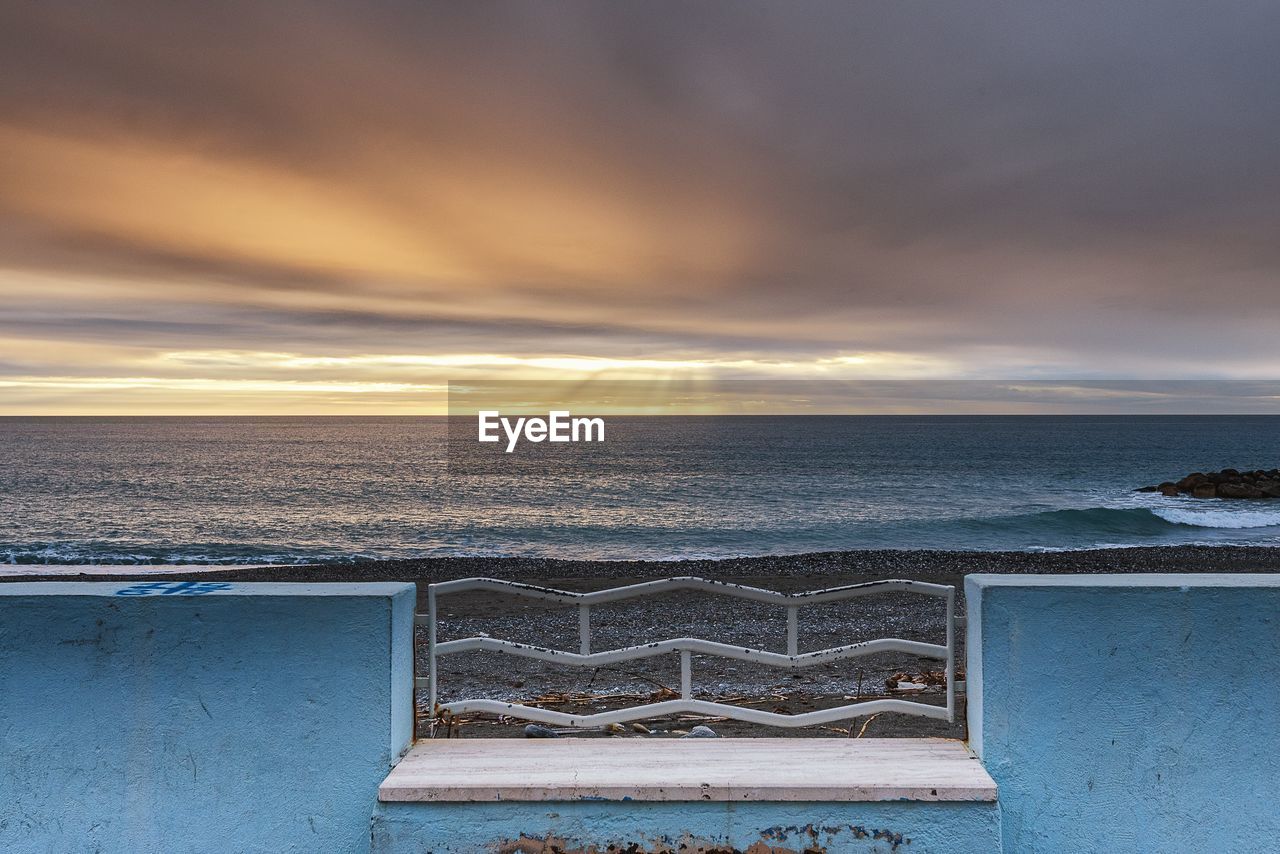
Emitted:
<point x="218" y="717"/>
<point x="1129" y="713"/>
<point x="540" y="828"/>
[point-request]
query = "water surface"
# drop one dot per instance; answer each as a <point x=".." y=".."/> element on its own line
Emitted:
<point x="253" y="490"/>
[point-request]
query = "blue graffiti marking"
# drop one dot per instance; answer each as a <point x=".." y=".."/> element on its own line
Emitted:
<point x="174" y="588"/>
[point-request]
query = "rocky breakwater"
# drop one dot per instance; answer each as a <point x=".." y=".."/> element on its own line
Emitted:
<point x="1228" y="483"/>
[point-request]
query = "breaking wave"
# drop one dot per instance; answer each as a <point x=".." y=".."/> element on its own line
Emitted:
<point x="1221" y="518"/>
<point x="1093" y="527"/>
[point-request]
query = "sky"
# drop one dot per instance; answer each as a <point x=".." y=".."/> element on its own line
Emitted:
<point x="341" y="206"/>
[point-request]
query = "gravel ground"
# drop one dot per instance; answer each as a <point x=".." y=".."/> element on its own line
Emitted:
<point x="820" y="566"/>
<point x="908" y="616"/>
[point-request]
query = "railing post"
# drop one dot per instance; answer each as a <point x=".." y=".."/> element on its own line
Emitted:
<point x="793" y="630"/>
<point x="951" y="655"/>
<point x="686" y="675"/>
<point x="431" y="651"/>
<point x="584" y="629"/>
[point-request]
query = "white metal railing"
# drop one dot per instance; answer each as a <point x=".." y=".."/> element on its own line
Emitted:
<point x="686" y="704"/>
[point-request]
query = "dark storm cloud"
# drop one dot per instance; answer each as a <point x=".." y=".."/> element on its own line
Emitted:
<point x="1082" y="189"/>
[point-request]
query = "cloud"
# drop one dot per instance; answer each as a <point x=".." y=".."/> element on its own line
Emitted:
<point x="1000" y="189"/>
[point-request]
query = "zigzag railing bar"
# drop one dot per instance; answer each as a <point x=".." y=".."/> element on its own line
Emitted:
<point x="698" y="707"/>
<point x="697" y="645"/>
<point x="687" y="646"/>
<point x="668" y="585"/>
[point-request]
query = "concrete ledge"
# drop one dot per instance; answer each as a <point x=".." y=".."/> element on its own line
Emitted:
<point x="1113" y="580"/>
<point x="634" y="769"/>
<point x="1128" y="712"/>
<point x="199" y="716"/>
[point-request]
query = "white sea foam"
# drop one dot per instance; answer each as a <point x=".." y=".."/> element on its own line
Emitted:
<point x="1218" y="518"/>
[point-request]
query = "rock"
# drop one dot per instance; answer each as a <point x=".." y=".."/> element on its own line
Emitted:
<point x="1239" y="490"/>
<point x="641" y="728"/>
<point x="909" y="687"/>
<point x="701" y="731"/>
<point x="615" y="729"/>
<point x="1228" y="483"/>
<point x="539" y="731"/>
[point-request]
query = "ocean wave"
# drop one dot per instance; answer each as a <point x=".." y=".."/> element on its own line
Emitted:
<point x="1065" y="529"/>
<point x="1130" y="520"/>
<point x="1071" y="523"/>
<point x="1233" y="519"/>
<point x="1083" y="528"/>
<point x="141" y="555"/>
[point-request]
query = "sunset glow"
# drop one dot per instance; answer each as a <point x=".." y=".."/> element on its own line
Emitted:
<point x="342" y="215"/>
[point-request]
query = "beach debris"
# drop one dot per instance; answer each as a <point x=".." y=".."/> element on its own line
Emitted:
<point x="866" y="724"/>
<point x="934" y="678"/>
<point x="615" y="729"/>
<point x="701" y="731"/>
<point x="903" y="683"/>
<point x="444" y="724"/>
<point x="538" y="731"/>
<point x="680" y="732"/>
<point x="663" y="693"/>
<point x="640" y="728"/>
<point x="1228" y="483"/>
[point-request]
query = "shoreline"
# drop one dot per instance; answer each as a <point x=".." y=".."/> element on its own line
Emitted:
<point x="872" y="562"/>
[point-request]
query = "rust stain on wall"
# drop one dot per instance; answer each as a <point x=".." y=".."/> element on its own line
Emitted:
<point x="805" y="839"/>
<point x="553" y="845"/>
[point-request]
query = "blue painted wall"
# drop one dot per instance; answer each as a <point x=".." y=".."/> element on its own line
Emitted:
<point x="905" y="827"/>
<point x="1129" y="713"/>
<point x="1117" y="714"/>
<point x="212" y="718"/>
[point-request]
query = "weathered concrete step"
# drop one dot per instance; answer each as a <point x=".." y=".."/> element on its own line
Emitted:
<point x="721" y="795"/>
<point x="718" y="769"/>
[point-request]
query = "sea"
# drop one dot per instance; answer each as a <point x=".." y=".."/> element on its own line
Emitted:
<point x="250" y="490"/>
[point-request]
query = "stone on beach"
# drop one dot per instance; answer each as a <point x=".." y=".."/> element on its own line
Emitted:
<point x="537" y="731"/>
<point x="701" y="731"/>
